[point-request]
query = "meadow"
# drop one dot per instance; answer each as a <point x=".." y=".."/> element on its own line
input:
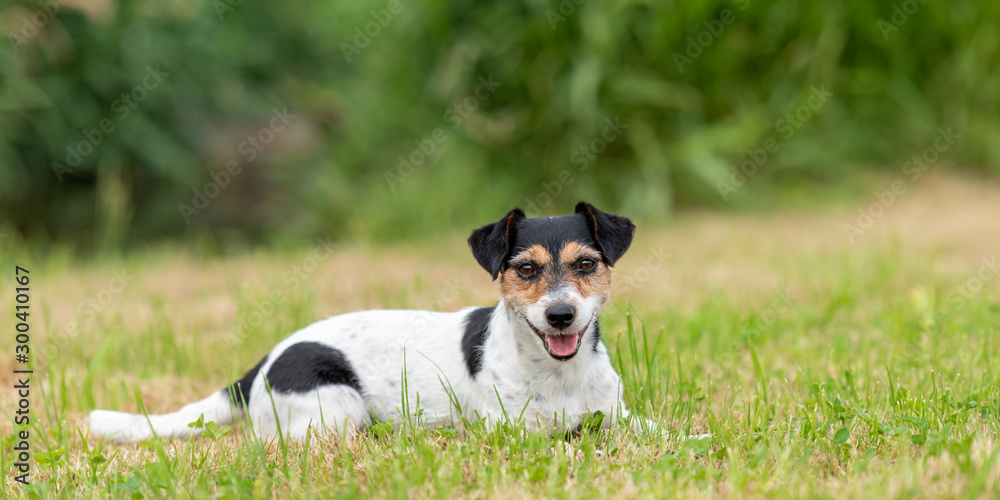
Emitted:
<point x="824" y="362"/>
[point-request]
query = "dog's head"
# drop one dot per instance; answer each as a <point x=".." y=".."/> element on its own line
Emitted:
<point x="554" y="271"/>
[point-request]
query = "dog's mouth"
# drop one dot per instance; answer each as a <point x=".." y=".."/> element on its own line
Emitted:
<point x="562" y="346"/>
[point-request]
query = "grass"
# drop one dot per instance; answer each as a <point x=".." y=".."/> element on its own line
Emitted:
<point x="822" y="368"/>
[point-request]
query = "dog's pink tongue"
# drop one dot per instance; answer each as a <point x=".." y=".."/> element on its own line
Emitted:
<point x="562" y="345"/>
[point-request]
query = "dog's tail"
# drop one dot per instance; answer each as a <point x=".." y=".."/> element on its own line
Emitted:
<point x="221" y="408"/>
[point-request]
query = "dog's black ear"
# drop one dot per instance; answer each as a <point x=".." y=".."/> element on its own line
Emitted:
<point x="491" y="244"/>
<point x="612" y="233"/>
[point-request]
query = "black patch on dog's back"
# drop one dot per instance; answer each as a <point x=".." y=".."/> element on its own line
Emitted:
<point x="239" y="391"/>
<point x="308" y="365"/>
<point x="477" y="328"/>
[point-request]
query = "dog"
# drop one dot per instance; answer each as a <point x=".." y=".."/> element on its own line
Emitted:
<point x="537" y="354"/>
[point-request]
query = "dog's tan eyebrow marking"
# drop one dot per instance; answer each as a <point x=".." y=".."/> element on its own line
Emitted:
<point x="535" y="254"/>
<point x="574" y="251"/>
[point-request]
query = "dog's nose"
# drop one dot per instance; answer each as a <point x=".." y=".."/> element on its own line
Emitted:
<point x="560" y="315"/>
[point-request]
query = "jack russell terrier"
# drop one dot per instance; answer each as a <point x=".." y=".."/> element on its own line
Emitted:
<point x="537" y="354"/>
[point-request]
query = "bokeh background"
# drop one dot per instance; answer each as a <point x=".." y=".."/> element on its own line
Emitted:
<point x="227" y="124"/>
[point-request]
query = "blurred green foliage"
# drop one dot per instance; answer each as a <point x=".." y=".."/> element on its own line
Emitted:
<point x="637" y="106"/>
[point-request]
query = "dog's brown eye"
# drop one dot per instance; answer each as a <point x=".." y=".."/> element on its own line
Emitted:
<point x="526" y="269"/>
<point x="587" y="264"/>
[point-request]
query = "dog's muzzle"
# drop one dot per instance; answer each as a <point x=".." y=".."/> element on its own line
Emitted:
<point x="564" y="345"/>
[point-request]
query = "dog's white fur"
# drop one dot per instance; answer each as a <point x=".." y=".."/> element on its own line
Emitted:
<point x="554" y="395"/>
<point x="412" y="364"/>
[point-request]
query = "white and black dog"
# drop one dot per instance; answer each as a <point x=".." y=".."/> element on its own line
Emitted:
<point x="537" y="354"/>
